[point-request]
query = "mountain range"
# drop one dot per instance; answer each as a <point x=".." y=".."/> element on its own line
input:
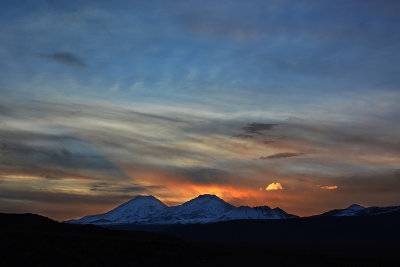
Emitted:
<point x="202" y="209"/>
<point x="357" y="210"/>
<point x="148" y="210"/>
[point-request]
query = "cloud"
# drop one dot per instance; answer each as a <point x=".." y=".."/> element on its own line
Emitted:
<point x="330" y="187"/>
<point x="53" y="156"/>
<point x="101" y="148"/>
<point x="274" y="186"/>
<point x="258" y="128"/>
<point x="282" y="155"/>
<point x="66" y="58"/>
<point x="127" y="189"/>
<point x="244" y="136"/>
<point x="206" y="176"/>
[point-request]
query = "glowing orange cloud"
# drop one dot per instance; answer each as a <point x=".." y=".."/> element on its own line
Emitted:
<point x="329" y="187"/>
<point x="274" y="186"/>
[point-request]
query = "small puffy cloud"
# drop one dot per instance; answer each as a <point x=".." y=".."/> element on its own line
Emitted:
<point x="330" y="187"/>
<point x="274" y="186"/>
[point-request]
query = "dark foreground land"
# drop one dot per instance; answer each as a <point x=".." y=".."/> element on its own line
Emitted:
<point x="32" y="240"/>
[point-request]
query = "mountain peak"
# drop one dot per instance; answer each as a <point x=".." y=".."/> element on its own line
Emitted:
<point x="209" y="196"/>
<point x="144" y="197"/>
<point x="352" y="210"/>
<point x="143" y="200"/>
<point x="355" y="207"/>
<point x="207" y="199"/>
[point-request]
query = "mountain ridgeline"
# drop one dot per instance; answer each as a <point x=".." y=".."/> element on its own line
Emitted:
<point x="203" y="209"/>
<point x="148" y="210"/>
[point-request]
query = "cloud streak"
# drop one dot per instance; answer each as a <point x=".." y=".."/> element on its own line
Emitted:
<point x="282" y="155"/>
<point x="66" y="58"/>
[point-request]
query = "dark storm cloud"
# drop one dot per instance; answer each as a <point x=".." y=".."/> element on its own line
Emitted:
<point x="282" y="155"/>
<point x="66" y="58"/>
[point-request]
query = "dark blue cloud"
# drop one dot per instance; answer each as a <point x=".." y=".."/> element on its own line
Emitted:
<point x="65" y="58"/>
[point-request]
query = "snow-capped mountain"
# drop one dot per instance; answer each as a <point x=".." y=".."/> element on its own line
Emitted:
<point x="379" y="210"/>
<point x="137" y="210"/>
<point x="352" y="210"/>
<point x="264" y="212"/>
<point x="202" y="209"/>
<point x="357" y="210"/>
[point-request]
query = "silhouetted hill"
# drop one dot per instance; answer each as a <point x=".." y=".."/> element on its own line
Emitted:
<point x="374" y="237"/>
<point x="365" y="229"/>
<point x="32" y="240"/>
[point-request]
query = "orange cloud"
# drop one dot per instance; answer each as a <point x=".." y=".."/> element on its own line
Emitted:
<point x="274" y="186"/>
<point x="329" y="187"/>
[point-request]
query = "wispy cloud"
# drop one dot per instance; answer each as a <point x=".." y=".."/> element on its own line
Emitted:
<point x="66" y="58"/>
<point x="282" y="155"/>
<point x="258" y="128"/>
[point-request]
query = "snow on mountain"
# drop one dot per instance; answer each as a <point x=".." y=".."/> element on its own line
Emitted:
<point x="202" y="209"/>
<point x="205" y="209"/>
<point x="137" y="210"/>
<point x="263" y="212"/>
<point x="380" y="210"/>
<point x="276" y="213"/>
<point x="242" y="212"/>
<point x="352" y="210"/>
<point x="357" y="210"/>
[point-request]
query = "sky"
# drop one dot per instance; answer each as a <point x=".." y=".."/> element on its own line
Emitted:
<point x="290" y="104"/>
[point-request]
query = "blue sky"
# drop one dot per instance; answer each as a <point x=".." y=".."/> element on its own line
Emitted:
<point x="113" y="79"/>
<point x="255" y="52"/>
